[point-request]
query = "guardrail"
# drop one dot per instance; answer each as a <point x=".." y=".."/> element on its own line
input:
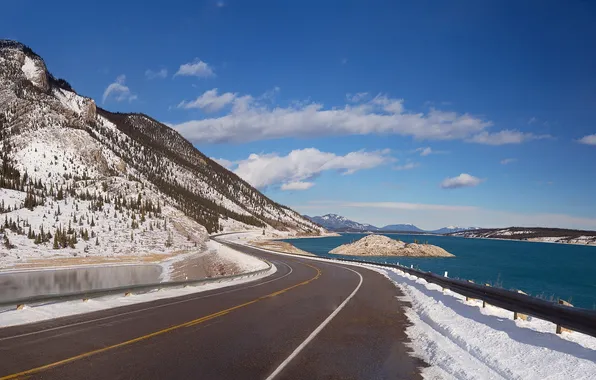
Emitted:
<point x="126" y="290"/>
<point x="576" y="319"/>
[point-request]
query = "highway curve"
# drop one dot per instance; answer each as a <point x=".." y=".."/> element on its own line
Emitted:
<point x="271" y="328"/>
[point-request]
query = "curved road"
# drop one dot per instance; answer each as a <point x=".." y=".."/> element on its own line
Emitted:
<point x="310" y="320"/>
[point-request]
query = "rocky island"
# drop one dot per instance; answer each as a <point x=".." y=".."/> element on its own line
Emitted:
<point x="380" y="245"/>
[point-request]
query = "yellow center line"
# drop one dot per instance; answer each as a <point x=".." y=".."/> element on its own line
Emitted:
<point x="160" y="332"/>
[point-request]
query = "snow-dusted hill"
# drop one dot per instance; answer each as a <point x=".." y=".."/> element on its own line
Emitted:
<point x="79" y="180"/>
<point x="340" y="223"/>
<point x="537" y="234"/>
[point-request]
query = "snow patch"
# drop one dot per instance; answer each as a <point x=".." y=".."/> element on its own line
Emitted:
<point x="32" y="71"/>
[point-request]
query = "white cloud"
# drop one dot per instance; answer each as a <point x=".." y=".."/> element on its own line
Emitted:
<point x="506" y="136"/>
<point x="210" y="101"/>
<point x="394" y="106"/>
<point x="357" y="97"/>
<point x="532" y="120"/>
<point x="270" y="95"/>
<point x="408" y="166"/>
<point x="196" y="68"/>
<point x="118" y="90"/>
<point x="588" y="140"/>
<point x="160" y="74"/>
<point x="298" y="185"/>
<point x="507" y="161"/>
<point x="425" y="151"/>
<point x="393" y="205"/>
<point x="223" y="162"/>
<point x="301" y="165"/>
<point x="408" y="206"/>
<point x="462" y="180"/>
<point x="251" y="120"/>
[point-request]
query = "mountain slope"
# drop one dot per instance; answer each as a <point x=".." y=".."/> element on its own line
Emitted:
<point x="538" y="234"/>
<point x="402" y="227"/>
<point x="127" y="170"/>
<point x="339" y="223"/>
<point x="452" y="229"/>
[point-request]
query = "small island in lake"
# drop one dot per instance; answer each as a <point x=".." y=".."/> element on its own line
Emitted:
<point x="380" y="245"/>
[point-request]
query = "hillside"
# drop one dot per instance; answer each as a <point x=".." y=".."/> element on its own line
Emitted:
<point x="538" y="234"/>
<point x="339" y="223"/>
<point x="79" y="180"/>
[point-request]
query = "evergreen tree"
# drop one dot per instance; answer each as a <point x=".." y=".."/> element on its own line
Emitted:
<point x="56" y="240"/>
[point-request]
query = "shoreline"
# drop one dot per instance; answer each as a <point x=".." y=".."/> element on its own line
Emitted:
<point x="522" y="241"/>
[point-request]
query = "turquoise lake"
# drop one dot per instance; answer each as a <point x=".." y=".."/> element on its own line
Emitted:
<point x="546" y="270"/>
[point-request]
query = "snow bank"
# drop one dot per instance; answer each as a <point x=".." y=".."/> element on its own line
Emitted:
<point x="245" y="262"/>
<point x="462" y="340"/>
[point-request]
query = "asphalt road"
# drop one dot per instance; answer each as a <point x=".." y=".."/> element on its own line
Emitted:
<point x="309" y="320"/>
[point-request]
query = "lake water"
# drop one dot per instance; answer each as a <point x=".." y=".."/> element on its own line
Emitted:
<point x="15" y="285"/>
<point x="546" y="270"/>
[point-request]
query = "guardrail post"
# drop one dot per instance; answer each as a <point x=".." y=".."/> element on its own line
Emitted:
<point x="520" y="315"/>
<point x="483" y="301"/>
<point x="468" y="298"/>
<point x="560" y="328"/>
<point x="444" y="288"/>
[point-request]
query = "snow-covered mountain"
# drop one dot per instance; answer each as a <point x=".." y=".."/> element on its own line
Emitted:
<point x="538" y="234"/>
<point x="452" y="229"/>
<point x="402" y="228"/>
<point x="76" y="175"/>
<point x="339" y="223"/>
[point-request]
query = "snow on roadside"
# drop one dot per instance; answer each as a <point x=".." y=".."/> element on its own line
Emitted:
<point x="63" y="309"/>
<point x="246" y="263"/>
<point x="462" y="340"/>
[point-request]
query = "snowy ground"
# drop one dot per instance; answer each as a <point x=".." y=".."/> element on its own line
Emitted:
<point x="462" y="340"/>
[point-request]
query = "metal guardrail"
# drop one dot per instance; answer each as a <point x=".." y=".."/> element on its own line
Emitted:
<point x="129" y="289"/>
<point x="576" y="319"/>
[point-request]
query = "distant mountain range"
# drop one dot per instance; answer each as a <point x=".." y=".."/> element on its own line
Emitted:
<point x="339" y="223"/>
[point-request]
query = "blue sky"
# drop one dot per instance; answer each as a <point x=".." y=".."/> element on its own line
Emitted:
<point x="427" y="112"/>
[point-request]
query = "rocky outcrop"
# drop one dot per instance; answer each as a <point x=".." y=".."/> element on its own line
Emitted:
<point x="34" y="70"/>
<point x="89" y="110"/>
<point x="379" y="245"/>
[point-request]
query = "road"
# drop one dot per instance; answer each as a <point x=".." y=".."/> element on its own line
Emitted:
<point x="309" y="320"/>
